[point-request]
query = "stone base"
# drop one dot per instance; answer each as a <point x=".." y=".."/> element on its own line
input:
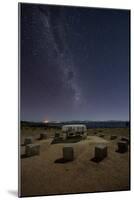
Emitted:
<point x="32" y="150"/>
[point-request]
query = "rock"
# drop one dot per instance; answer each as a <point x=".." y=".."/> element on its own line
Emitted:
<point x="32" y="150"/>
<point x="122" y="146"/>
<point x="43" y="136"/>
<point x="28" y="140"/>
<point x="125" y="139"/>
<point x="101" y="135"/>
<point x="68" y="153"/>
<point x="113" y="137"/>
<point x="100" y="152"/>
<point x="57" y="135"/>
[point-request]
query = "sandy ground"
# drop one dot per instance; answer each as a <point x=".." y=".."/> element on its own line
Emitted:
<point x="41" y="176"/>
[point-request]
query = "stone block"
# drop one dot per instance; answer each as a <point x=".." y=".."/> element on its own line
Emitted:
<point x="32" y="150"/>
<point x="101" y="135"/>
<point x="100" y="152"/>
<point x="57" y="135"/>
<point x="113" y="137"/>
<point x="122" y="146"/>
<point x="28" y="140"/>
<point x="43" y="136"/>
<point x="125" y="139"/>
<point x="68" y="153"/>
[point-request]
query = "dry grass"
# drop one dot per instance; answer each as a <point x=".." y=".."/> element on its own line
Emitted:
<point x="41" y="176"/>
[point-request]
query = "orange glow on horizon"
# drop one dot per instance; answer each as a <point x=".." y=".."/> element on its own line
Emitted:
<point x="45" y="121"/>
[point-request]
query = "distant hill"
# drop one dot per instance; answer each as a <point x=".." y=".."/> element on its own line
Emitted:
<point x="89" y="124"/>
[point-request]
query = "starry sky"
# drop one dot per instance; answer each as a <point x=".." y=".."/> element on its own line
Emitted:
<point x="74" y="63"/>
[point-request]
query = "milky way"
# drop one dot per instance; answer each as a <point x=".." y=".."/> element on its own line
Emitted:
<point x="74" y="63"/>
<point x="56" y="35"/>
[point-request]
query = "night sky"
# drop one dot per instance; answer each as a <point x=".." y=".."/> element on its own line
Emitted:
<point x="74" y="63"/>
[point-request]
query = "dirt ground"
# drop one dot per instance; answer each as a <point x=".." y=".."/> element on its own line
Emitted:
<point x="40" y="175"/>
